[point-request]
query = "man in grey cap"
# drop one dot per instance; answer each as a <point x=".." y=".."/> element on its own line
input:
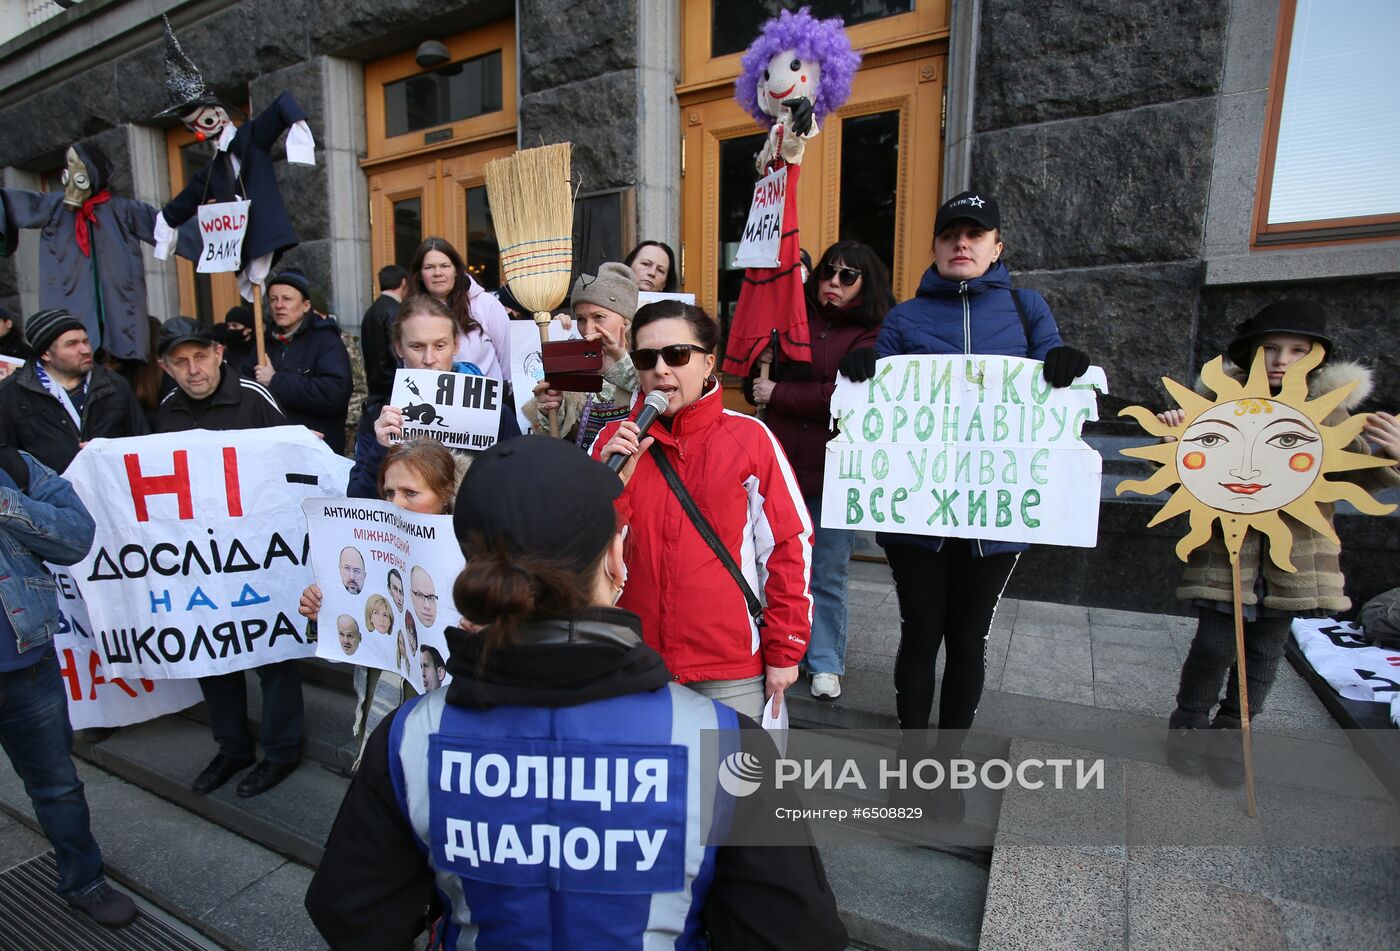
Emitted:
<point x="211" y="395"/>
<point x="54" y="404"/>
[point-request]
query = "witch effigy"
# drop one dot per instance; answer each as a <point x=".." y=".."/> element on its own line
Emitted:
<point x="89" y="250"/>
<point x="239" y="176"/>
<point x="798" y="71"/>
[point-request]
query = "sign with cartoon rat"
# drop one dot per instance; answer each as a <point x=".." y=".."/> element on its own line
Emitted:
<point x="460" y="410"/>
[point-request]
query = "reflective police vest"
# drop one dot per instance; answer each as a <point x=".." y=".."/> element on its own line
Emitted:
<point x="571" y="827"/>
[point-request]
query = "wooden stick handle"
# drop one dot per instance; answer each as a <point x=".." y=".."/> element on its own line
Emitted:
<point x="542" y="319"/>
<point x="258" y="324"/>
<point x="762" y="409"/>
<point x="1245" y="737"/>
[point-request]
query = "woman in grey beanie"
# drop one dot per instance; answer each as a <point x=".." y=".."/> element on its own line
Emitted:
<point x="603" y="305"/>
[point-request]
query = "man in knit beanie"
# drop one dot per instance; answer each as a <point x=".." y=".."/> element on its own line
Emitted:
<point x="55" y="403"/>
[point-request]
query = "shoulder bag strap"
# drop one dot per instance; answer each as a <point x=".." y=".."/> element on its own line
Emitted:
<point x="1021" y="312"/>
<point x="707" y="532"/>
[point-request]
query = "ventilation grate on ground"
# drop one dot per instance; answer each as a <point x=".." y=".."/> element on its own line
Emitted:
<point x="33" y="918"/>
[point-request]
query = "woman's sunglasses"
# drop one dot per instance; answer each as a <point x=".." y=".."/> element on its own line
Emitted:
<point x="849" y="275"/>
<point x="676" y="355"/>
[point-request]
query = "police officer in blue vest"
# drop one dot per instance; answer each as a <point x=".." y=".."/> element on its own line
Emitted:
<point x="551" y="795"/>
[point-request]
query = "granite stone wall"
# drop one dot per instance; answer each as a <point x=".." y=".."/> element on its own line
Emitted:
<point x="1094" y="125"/>
<point x="578" y="83"/>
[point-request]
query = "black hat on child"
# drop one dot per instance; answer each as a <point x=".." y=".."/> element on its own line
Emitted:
<point x="1304" y="318"/>
<point x="540" y="497"/>
<point x="43" y="328"/>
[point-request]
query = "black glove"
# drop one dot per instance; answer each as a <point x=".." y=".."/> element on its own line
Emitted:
<point x="1064" y="364"/>
<point x="801" y="114"/>
<point x="13" y="464"/>
<point x="858" y="365"/>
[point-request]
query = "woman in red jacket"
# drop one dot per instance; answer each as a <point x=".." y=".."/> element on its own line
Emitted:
<point x="848" y="296"/>
<point x="693" y="611"/>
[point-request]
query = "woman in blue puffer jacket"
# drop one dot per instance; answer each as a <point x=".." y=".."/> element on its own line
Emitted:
<point x="949" y="588"/>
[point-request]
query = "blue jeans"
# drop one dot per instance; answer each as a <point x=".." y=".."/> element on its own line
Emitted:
<point x="36" y="735"/>
<point x="831" y="554"/>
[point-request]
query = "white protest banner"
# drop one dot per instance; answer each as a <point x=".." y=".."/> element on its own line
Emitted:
<point x="386" y="577"/>
<point x="460" y="410"/>
<point x="201" y="552"/>
<point x="96" y="699"/>
<point x="9" y="365"/>
<point x="527" y="367"/>
<point x="965" y="446"/>
<point x="764" y="229"/>
<point x="223" y="226"/>
<point x="1356" y="669"/>
<point x="651" y="297"/>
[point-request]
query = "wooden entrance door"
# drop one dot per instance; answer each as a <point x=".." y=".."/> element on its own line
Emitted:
<point x="443" y="195"/>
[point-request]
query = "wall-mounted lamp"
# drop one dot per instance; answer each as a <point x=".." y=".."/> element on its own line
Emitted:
<point x="431" y="54"/>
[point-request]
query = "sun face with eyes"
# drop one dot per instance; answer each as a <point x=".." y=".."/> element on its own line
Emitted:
<point x="788" y="76"/>
<point x="1249" y="455"/>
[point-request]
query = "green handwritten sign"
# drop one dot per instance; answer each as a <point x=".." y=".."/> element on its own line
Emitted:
<point x="965" y="446"/>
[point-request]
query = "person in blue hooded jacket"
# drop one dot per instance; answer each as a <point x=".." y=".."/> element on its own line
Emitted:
<point x="949" y="588"/>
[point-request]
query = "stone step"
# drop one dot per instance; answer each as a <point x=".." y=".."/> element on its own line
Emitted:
<point x="164" y="756"/>
<point x="1317" y="759"/>
<point x="241" y="894"/>
<point x="902" y="897"/>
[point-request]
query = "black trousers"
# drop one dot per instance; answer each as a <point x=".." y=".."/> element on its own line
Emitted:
<point x="945" y="597"/>
<point x="1212" y="657"/>
<point x="226" y="699"/>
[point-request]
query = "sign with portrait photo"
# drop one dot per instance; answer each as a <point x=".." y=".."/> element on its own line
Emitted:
<point x="386" y="577"/>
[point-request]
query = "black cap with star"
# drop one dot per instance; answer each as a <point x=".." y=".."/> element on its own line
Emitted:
<point x="974" y="206"/>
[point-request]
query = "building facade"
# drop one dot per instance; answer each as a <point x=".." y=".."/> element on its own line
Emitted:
<point x="1135" y="148"/>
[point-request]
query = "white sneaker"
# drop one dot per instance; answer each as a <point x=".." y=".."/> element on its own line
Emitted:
<point x="826" y="686"/>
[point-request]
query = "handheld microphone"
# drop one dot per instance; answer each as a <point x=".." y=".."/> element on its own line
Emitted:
<point x="655" y="405"/>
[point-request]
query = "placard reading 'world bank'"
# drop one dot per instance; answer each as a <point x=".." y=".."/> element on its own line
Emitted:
<point x="965" y="446"/>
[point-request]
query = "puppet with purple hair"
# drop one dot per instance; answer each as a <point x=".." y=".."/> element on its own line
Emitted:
<point x="797" y="72"/>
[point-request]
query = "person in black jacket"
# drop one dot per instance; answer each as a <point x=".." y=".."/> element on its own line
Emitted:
<point x="211" y="396"/>
<point x="12" y="342"/>
<point x="236" y="335"/>
<point x="53" y="405"/>
<point x="376" y="332"/>
<point x="557" y="671"/>
<point x="308" y="367"/>
<point x="208" y="394"/>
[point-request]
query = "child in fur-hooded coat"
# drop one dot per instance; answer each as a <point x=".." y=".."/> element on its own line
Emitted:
<point x="1271" y="597"/>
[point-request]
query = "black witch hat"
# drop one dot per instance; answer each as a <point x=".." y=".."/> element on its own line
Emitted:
<point x="183" y="81"/>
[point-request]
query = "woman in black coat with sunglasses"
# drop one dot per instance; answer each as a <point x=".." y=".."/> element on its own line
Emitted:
<point x="848" y="295"/>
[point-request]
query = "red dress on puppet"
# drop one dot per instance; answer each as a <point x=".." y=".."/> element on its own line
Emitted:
<point x="771" y="298"/>
<point x="797" y="72"/>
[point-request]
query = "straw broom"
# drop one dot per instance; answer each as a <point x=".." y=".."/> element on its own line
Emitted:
<point x="533" y="210"/>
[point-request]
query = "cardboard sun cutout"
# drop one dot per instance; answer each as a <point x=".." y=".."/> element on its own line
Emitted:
<point x="1248" y="455"/>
